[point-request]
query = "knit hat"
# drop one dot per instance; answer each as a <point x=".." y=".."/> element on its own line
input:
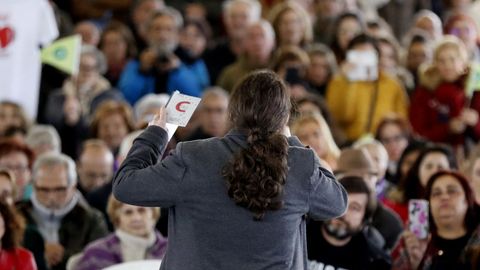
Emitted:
<point x="355" y="161"/>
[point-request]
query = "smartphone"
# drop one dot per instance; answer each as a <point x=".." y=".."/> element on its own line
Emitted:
<point x="365" y="65"/>
<point x="418" y="218"/>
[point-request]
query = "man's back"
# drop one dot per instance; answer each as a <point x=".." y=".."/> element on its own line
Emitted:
<point x="207" y="230"/>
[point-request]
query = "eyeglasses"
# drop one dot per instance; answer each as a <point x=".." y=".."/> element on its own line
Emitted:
<point x="55" y="190"/>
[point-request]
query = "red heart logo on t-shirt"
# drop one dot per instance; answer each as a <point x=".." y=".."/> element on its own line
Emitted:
<point x="6" y="36"/>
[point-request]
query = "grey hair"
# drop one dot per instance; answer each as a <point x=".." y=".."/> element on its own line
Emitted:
<point x="99" y="56"/>
<point x="51" y="159"/>
<point x="43" y="135"/>
<point x="167" y="11"/>
<point x="365" y="141"/>
<point x="216" y="92"/>
<point x="266" y="26"/>
<point x="149" y="101"/>
<point x="325" y="51"/>
<point x="255" y="7"/>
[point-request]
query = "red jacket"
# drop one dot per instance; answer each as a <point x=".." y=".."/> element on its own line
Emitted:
<point x="432" y="110"/>
<point x="17" y="259"/>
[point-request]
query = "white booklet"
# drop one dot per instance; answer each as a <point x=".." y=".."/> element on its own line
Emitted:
<point x="180" y="109"/>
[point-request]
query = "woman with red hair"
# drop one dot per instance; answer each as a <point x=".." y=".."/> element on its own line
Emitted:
<point x="454" y="241"/>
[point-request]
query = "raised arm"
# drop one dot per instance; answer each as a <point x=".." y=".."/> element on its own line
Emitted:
<point x="328" y="199"/>
<point x="142" y="179"/>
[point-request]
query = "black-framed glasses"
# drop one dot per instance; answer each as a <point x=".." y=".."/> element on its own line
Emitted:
<point x="55" y="190"/>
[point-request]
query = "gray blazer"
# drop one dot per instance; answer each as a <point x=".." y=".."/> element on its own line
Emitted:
<point x="206" y="229"/>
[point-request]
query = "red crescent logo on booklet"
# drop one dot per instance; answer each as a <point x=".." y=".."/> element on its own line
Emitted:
<point x="179" y="106"/>
<point x="6" y="36"/>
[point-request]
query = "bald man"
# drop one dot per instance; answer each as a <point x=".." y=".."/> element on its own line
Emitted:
<point x="94" y="166"/>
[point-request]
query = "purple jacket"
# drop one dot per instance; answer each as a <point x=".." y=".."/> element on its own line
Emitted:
<point x="106" y="251"/>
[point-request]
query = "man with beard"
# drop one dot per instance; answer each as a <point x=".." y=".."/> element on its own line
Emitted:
<point x="343" y="243"/>
<point x="158" y="69"/>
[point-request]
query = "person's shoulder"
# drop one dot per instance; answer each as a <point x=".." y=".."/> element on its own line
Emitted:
<point x="83" y="211"/>
<point x="99" y="194"/>
<point x="103" y="244"/>
<point x="23" y="258"/>
<point x="388" y="216"/>
<point x="475" y="239"/>
<point x="23" y="254"/>
<point x="103" y="251"/>
<point x="338" y="78"/>
<point x="372" y="237"/>
<point x="132" y="65"/>
<point x="389" y="80"/>
<point x="301" y="150"/>
<point x="230" y="70"/>
<point x="200" y="144"/>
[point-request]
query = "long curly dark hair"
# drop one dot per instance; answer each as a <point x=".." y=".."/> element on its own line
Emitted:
<point x="259" y="106"/>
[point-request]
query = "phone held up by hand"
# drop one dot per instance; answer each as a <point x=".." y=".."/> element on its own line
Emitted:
<point x="418" y="218"/>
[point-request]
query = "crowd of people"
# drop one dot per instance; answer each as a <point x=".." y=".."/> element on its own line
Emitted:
<point x="386" y="93"/>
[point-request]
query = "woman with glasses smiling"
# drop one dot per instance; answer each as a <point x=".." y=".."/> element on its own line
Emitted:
<point x="454" y="241"/>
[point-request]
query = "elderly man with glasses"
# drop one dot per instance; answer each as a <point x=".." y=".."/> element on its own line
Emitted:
<point x="56" y="209"/>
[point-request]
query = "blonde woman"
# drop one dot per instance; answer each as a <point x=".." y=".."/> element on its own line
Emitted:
<point x="312" y="130"/>
<point x="135" y="238"/>
<point x="291" y="23"/>
<point x="441" y="110"/>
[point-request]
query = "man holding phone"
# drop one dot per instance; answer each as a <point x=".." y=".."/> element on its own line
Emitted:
<point x="331" y="241"/>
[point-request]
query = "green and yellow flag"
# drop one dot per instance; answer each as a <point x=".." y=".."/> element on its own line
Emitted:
<point x="64" y="54"/>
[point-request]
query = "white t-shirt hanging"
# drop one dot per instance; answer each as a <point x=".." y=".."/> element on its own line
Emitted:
<point x="25" y="25"/>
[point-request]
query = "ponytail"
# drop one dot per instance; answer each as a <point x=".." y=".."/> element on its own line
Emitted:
<point x="257" y="175"/>
<point x="260" y="105"/>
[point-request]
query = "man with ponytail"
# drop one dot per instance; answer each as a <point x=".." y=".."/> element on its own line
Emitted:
<point x="240" y="201"/>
